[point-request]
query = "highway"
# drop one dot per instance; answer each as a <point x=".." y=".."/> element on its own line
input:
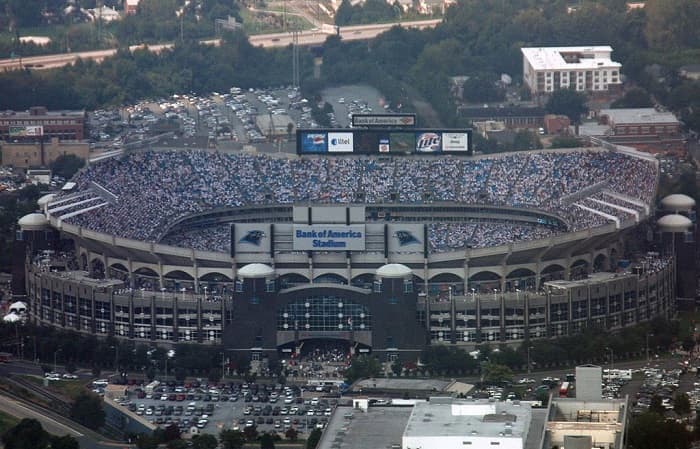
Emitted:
<point x="348" y="33"/>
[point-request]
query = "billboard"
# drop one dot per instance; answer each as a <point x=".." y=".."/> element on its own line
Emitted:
<point x="340" y="142"/>
<point x="405" y="238"/>
<point x="428" y="142"/>
<point x="385" y="120"/>
<point x="384" y="141"/>
<point x="313" y="142"/>
<point x="455" y="142"/>
<point x="251" y="238"/>
<point x="26" y="131"/>
<point x="321" y="237"/>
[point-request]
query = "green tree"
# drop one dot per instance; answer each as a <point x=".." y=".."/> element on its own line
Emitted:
<point x="267" y="441"/>
<point x="656" y="406"/>
<point x="526" y="140"/>
<point x="67" y="165"/>
<point x="651" y="431"/>
<point x="27" y="434"/>
<point x="482" y="88"/>
<point x="87" y="410"/>
<point x="251" y="433"/>
<point x="64" y="442"/>
<point x="565" y="142"/>
<point x="634" y="98"/>
<point x="495" y="373"/>
<point x="232" y="439"/>
<point x="146" y="442"/>
<point x="178" y="444"/>
<point x="291" y="434"/>
<point x="361" y="367"/>
<point x="343" y="16"/>
<point x="397" y="367"/>
<point x="681" y="404"/>
<point x="314" y="439"/>
<point x="567" y="102"/>
<point x="672" y="24"/>
<point x="204" y="441"/>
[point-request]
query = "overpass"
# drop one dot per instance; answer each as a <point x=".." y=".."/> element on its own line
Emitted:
<point x="309" y="37"/>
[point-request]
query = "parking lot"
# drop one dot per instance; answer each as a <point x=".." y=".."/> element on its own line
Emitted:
<point x="212" y="408"/>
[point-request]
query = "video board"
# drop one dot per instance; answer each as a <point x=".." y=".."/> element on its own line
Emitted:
<point x="377" y="141"/>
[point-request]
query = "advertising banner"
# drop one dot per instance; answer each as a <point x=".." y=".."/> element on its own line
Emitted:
<point x="384" y="120"/>
<point x="251" y="237"/>
<point x="313" y="142"/>
<point x="340" y="142"/>
<point x="405" y="238"/>
<point x="329" y="237"/>
<point x="26" y="131"/>
<point x="428" y="142"/>
<point x="454" y="141"/>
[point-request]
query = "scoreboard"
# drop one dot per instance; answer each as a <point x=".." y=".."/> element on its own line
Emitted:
<point x="391" y="141"/>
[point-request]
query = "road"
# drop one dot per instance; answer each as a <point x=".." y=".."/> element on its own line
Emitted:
<point x="348" y="33"/>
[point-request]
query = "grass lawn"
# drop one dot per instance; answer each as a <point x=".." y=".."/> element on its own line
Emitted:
<point x="68" y="388"/>
<point x="7" y="422"/>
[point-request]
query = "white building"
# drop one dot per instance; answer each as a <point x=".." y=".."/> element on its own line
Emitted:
<point x="585" y="69"/>
<point x="446" y="423"/>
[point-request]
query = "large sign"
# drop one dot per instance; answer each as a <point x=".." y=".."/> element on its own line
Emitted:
<point x="385" y="120"/>
<point x="313" y="142"/>
<point x="384" y="141"/>
<point x="328" y="237"/>
<point x="455" y="142"/>
<point x="405" y="238"/>
<point x="340" y="142"/>
<point x="26" y="131"/>
<point x="251" y="237"/>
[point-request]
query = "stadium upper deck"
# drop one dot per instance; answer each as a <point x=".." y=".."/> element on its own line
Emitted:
<point x="142" y="195"/>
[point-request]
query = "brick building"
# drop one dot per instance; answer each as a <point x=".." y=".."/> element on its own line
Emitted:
<point x="38" y="123"/>
<point x="644" y="128"/>
<point x="40" y="154"/>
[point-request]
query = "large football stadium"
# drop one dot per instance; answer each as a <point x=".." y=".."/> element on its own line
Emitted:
<point x="262" y="253"/>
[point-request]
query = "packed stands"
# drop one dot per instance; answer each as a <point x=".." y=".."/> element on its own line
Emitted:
<point x="155" y="188"/>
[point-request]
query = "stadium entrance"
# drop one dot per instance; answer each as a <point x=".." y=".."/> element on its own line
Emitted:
<point x="324" y="358"/>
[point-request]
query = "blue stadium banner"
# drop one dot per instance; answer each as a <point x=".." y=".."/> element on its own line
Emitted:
<point x="320" y="237"/>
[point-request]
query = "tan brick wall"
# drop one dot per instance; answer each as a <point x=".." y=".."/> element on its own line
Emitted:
<point x="22" y="155"/>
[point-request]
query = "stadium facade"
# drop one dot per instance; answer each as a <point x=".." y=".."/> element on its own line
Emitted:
<point x="281" y="283"/>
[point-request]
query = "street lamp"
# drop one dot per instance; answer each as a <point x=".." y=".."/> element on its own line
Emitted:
<point x="612" y="357"/>
<point x="517" y="294"/>
<point x="55" y="353"/>
<point x="162" y="293"/>
<point x="529" y="368"/>
<point x="205" y="292"/>
<point x="495" y="292"/>
<point x="649" y="334"/>
<point x="168" y="355"/>
<point x="116" y="358"/>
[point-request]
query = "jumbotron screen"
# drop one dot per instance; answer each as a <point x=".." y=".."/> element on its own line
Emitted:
<point x="377" y="141"/>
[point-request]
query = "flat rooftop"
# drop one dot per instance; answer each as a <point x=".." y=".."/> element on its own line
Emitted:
<point x="377" y="428"/>
<point x="480" y="418"/>
<point x="402" y="384"/>
<point x="552" y="58"/>
<point x="638" y="115"/>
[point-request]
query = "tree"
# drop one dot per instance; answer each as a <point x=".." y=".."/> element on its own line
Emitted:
<point x="656" y="406"/>
<point x="567" y="102"/>
<point x="482" y="88"/>
<point x="681" y="404"/>
<point x="634" y="98"/>
<point x="361" y="367"/>
<point x="292" y="434"/>
<point x="565" y="142"/>
<point x="204" y="441"/>
<point x="27" y="434"/>
<point x="232" y="439"/>
<point x="495" y="373"/>
<point x="177" y="444"/>
<point x="672" y="24"/>
<point x="170" y="433"/>
<point x="314" y="439"/>
<point x="251" y="433"/>
<point x="67" y="165"/>
<point x="64" y="442"/>
<point x="651" y="431"/>
<point x="397" y="367"/>
<point x="267" y="441"/>
<point x="526" y="140"/>
<point x="87" y="410"/>
<point x="146" y="442"/>
<point x="343" y="15"/>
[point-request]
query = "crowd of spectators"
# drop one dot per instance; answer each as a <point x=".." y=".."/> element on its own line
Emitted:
<point x="155" y="188"/>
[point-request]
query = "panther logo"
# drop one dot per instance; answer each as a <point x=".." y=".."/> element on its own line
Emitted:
<point x="253" y="237"/>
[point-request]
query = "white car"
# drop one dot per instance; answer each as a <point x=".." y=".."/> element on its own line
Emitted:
<point x="69" y="376"/>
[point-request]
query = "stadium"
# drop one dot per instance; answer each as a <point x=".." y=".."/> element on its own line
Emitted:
<point x="267" y="253"/>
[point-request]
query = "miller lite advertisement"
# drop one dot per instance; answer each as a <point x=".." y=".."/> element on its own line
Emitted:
<point x="428" y="142"/>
